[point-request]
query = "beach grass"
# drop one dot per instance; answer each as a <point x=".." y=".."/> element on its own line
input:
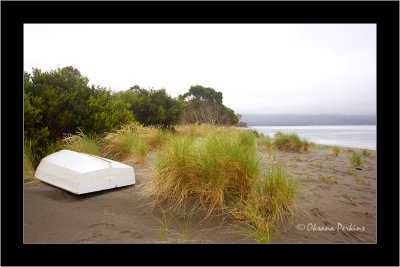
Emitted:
<point x="306" y="144"/>
<point x="366" y="152"/>
<point x="328" y="179"/>
<point x="127" y="144"/>
<point x="214" y="170"/>
<point x="362" y="181"/>
<point x="29" y="171"/>
<point x="290" y="142"/>
<point x="271" y="203"/>
<point x="194" y="130"/>
<point x="351" y="171"/>
<point x="165" y="224"/>
<point x="335" y="150"/>
<point x="80" y="142"/>
<point x="218" y="168"/>
<point x="265" y="142"/>
<point x="356" y="159"/>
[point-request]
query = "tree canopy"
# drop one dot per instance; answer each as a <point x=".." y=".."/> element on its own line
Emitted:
<point x="61" y="101"/>
<point x="204" y="105"/>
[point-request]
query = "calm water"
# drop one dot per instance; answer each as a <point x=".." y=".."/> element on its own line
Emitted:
<point x="363" y="136"/>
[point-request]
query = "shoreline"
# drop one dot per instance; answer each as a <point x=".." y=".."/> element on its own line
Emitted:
<point x="352" y="141"/>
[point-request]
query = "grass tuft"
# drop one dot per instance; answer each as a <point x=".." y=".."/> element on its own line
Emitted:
<point x="80" y="142"/>
<point x="214" y="170"/>
<point x="362" y="181"/>
<point x="290" y="142"/>
<point x="271" y="203"/>
<point x="366" y="152"/>
<point x="29" y="171"/>
<point x="336" y="150"/>
<point x="356" y="159"/>
<point x="265" y="141"/>
<point x="127" y="144"/>
<point x="165" y="223"/>
<point x="328" y="179"/>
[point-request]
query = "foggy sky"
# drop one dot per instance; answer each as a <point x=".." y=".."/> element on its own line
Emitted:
<point x="260" y="68"/>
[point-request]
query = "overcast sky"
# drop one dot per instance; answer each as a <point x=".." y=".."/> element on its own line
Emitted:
<point x="260" y="68"/>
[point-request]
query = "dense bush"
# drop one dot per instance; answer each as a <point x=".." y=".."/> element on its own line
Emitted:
<point x="60" y="102"/>
<point x="153" y="107"/>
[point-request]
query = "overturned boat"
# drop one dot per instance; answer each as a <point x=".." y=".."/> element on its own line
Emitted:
<point x="81" y="173"/>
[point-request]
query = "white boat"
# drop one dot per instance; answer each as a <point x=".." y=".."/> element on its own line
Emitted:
<point x="81" y="173"/>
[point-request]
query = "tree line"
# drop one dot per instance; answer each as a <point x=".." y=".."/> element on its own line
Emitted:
<point x="61" y="101"/>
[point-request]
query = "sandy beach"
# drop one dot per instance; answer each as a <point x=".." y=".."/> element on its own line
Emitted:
<point x="336" y="204"/>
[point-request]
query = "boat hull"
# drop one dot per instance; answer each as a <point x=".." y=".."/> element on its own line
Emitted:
<point x="81" y="173"/>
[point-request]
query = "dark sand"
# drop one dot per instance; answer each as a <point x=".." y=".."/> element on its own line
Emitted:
<point x="325" y="208"/>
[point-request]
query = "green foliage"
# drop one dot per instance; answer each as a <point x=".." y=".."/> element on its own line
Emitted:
<point x="198" y="93"/>
<point x="58" y="102"/>
<point x="103" y="112"/>
<point x="60" y="95"/>
<point x="41" y="145"/>
<point x="204" y="105"/>
<point x="29" y="170"/>
<point x="154" y="107"/>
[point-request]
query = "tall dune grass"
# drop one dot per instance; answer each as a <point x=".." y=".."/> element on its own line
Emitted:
<point x="133" y="141"/>
<point x="217" y="169"/>
<point x="290" y="142"/>
<point x="366" y="152"/>
<point x="265" y="141"/>
<point x="214" y="170"/>
<point x="80" y="142"/>
<point x="271" y="202"/>
<point x="29" y="171"/>
<point x="356" y="159"/>
<point x="195" y="130"/>
<point x="126" y="144"/>
<point x="336" y="150"/>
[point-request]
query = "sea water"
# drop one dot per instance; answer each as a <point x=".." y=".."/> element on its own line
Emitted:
<point x="357" y="136"/>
